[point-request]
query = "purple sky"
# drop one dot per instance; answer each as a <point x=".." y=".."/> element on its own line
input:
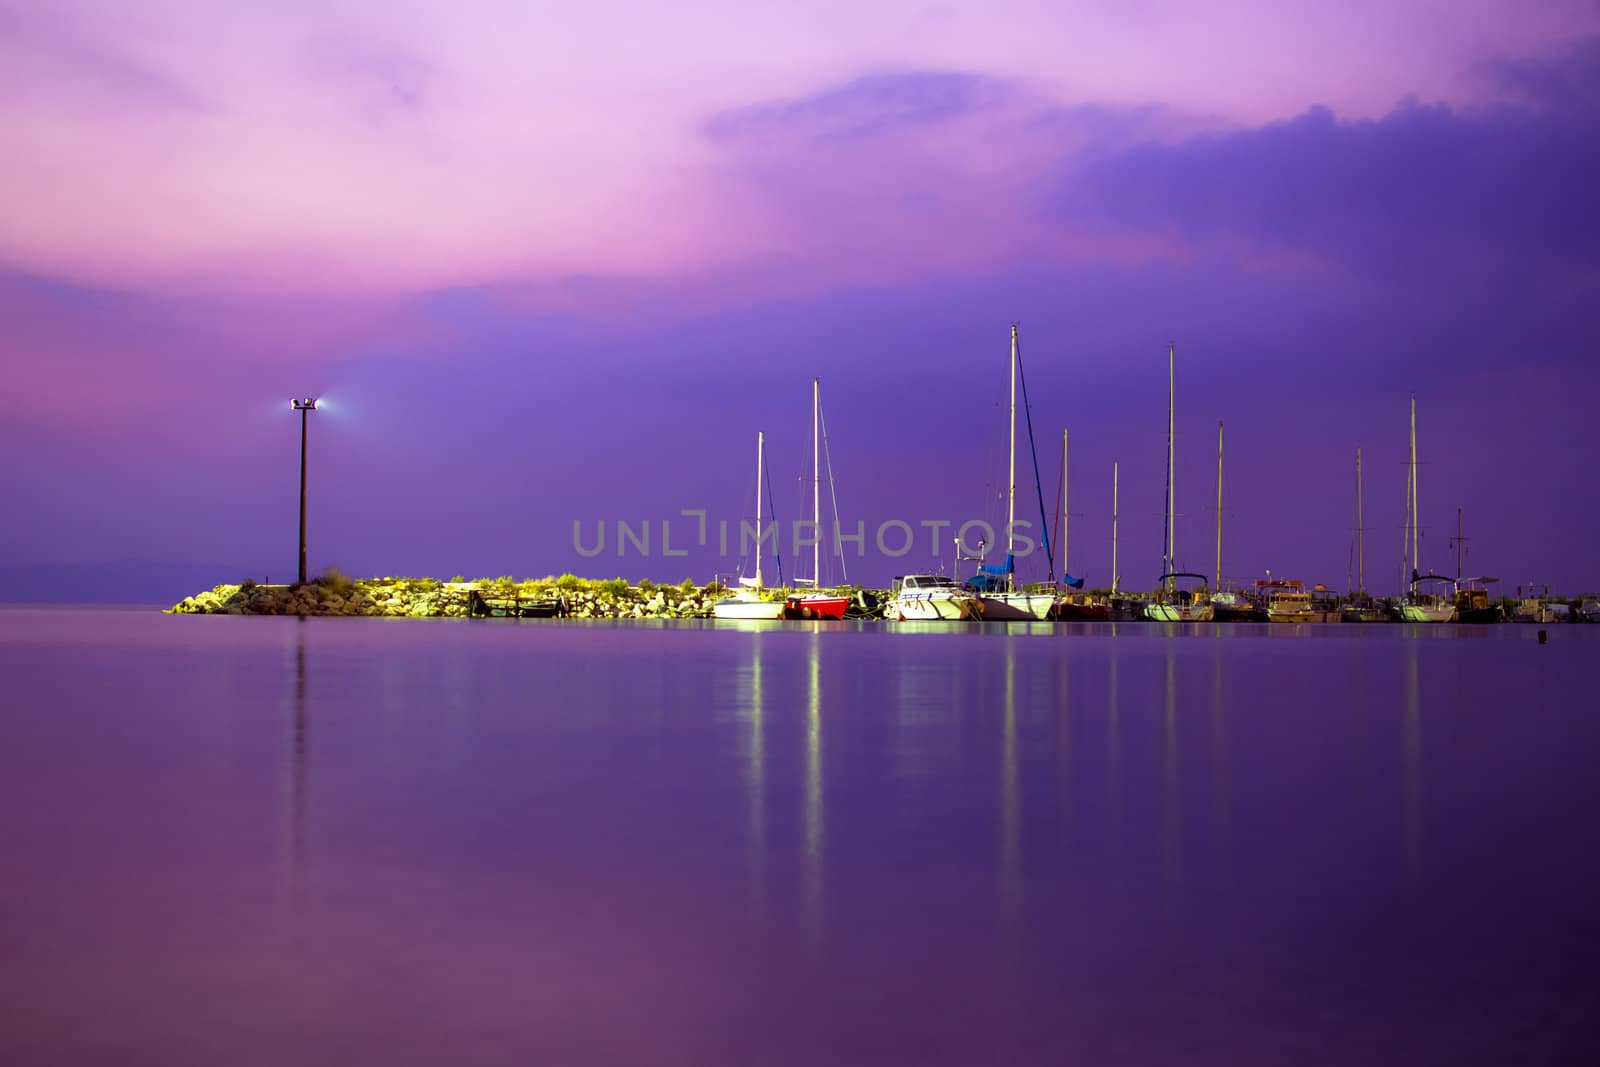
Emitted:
<point x="548" y="266"/>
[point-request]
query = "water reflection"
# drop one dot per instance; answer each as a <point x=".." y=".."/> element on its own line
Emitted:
<point x="1219" y="747"/>
<point x="299" y="748"/>
<point x="1064" y="747"/>
<point x="1413" y="767"/>
<point x="813" y="799"/>
<point x="1114" y="746"/>
<point x="1169" y="772"/>
<point x="756" y="776"/>
<point x="1010" y="831"/>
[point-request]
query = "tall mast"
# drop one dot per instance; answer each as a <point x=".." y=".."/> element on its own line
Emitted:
<point x="761" y="456"/>
<point x="1114" y="575"/>
<point x="1416" y="514"/>
<point x="1064" y="571"/>
<point x="1361" y="533"/>
<point x="1219" y="503"/>
<point x="1011" y="469"/>
<point x="1171" y="532"/>
<point x="816" y="484"/>
<point x="1458" y="545"/>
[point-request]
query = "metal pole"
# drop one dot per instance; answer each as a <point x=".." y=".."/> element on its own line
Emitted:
<point x="303" y="411"/>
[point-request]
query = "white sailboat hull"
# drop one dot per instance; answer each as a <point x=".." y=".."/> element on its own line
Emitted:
<point x="1024" y="607"/>
<point x="747" y="607"/>
<point x="909" y="607"/>
<point x="1427" y="612"/>
<point x="1179" y="612"/>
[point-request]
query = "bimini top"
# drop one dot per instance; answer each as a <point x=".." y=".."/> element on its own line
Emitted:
<point x="1184" y="574"/>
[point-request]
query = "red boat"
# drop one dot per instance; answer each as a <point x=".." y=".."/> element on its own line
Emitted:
<point x="815" y="606"/>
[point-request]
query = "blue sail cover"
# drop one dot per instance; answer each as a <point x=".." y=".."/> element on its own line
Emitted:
<point x="1069" y="580"/>
<point x="990" y="576"/>
<point x="999" y="569"/>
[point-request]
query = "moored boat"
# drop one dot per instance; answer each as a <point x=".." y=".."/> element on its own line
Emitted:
<point x="1362" y="608"/>
<point x="748" y="603"/>
<point x="1287" y="601"/>
<point x="995" y="587"/>
<point x="1081" y="607"/>
<point x="817" y="604"/>
<point x="930" y="597"/>
<point x="1171" y="603"/>
<point x="1175" y="604"/>
<point x="1419" y="606"/>
<point x="1473" y="604"/>
<point x="1228" y="605"/>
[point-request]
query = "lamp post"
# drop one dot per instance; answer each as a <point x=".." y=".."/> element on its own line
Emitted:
<point x="305" y="406"/>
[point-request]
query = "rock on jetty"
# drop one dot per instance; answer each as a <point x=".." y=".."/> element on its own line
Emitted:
<point x="334" y="594"/>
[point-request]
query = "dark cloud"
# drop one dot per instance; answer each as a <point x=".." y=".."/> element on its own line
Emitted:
<point x="1508" y="189"/>
<point x="1567" y="79"/>
<point x="866" y="107"/>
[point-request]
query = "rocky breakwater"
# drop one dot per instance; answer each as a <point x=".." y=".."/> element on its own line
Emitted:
<point x="335" y="595"/>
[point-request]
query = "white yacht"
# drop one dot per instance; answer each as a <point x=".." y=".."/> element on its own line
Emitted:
<point x="930" y="597"/>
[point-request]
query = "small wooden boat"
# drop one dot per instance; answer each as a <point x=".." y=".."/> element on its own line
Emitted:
<point x="1472" y="602"/>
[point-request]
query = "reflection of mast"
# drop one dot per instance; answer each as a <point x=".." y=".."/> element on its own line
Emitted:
<point x="1010" y="845"/>
<point x="1413" y="768"/>
<point x="814" y="812"/>
<point x="1169" y="772"/>
<point x="1114" y="746"/>
<point x="757" y="776"/>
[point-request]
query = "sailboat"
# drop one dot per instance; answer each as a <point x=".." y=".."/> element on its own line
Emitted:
<point x="1418" y="606"/>
<point x="995" y="585"/>
<point x="1074" y="607"/>
<point x="1360" y="607"/>
<point x="816" y="604"/>
<point x="1227" y="605"/>
<point x="1173" y="604"/>
<point x="748" y="603"/>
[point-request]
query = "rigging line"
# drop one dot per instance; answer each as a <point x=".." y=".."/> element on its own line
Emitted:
<point x="833" y="494"/>
<point x="1038" y="488"/>
<point x="777" y="543"/>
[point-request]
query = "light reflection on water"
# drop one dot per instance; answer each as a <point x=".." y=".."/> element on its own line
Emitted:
<point x="790" y="844"/>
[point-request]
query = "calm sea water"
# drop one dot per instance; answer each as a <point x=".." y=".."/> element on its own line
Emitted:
<point x="276" y="841"/>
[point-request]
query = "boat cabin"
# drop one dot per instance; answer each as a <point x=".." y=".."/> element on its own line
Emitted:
<point x="911" y="582"/>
